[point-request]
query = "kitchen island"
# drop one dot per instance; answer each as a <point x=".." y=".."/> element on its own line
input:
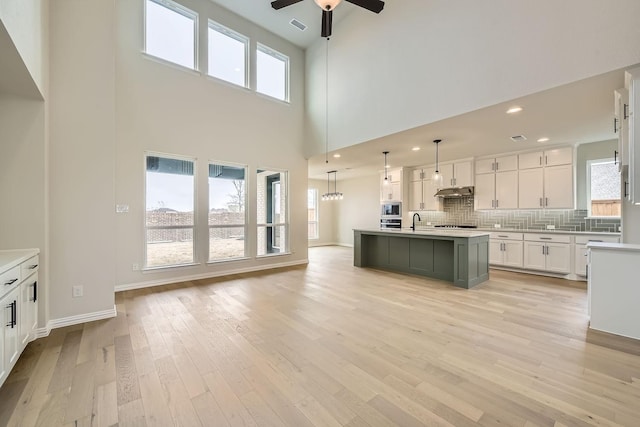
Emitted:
<point x="457" y="256"/>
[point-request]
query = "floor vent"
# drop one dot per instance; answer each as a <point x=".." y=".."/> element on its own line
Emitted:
<point x="299" y="25"/>
<point x="518" y="138"/>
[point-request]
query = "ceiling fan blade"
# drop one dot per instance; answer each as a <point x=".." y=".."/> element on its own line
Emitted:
<point x="375" y="6"/>
<point x="327" y="18"/>
<point x="279" y="4"/>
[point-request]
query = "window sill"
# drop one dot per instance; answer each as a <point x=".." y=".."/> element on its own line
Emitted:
<point x="273" y="255"/>
<point x="171" y="64"/>
<point x="167" y="267"/>
<point x="221" y="261"/>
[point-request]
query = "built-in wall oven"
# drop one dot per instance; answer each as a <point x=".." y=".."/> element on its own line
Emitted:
<point x="391" y="215"/>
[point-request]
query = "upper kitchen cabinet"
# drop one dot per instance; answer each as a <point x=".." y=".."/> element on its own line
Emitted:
<point x="422" y="190"/>
<point x="621" y="126"/>
<point x="391" y="187"/>
<point x="545" y="179"/>
<point x="496" y="183"/>
<point x="457" y="174"/>
<point x="632" y="83"/>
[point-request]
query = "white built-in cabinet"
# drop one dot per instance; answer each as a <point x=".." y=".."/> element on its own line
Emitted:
<point x="18" y="305"/>
<point x="505" y="249"/>
<point x="545" y="179"/>
<point x="545" y="252"/>
<point x="621" y="126"/>
<point x="632" y="83"/>
<point x="496" y="183"/>
<point x="457" y="174"/>
<point x="422" y="191"/>
<point x="391" y="187"/>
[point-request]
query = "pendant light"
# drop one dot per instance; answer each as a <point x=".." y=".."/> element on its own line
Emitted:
<point x="386" y="178"/>
<point x="335" y="195"/>
<point x="436" y="178"/>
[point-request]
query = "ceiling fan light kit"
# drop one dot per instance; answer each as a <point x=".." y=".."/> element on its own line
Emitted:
<point x="327" y="7"/>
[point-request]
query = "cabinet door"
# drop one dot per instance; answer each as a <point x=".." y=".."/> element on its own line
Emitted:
<point x="507" y="163"/>
<point x="580" y="264"/>
<point x="495" y="252"/>
<point x="396" y="191"/>
<point x="463" y="174"/>
<point x="558" y="187"/>
<point x="395" y="175"/>
<point x="530" y="188"/>
<point x="415" y="195"/>
<point x="534" y="256"/>
<point x="28" y="310"/>
<point x="485" y="191"/>
<point x="558" y="156"/>
<point x="506" y="190"/>
<point x="10" y="331"/>
<point x="416" y="175"/>
<point x="512" y="254"/>
<point x="431" y="203"/>
<point x="485" y="166"/>
<point x="558" y="257"/>
<point x="530" y="160"/>
<point x="447" y="175"/>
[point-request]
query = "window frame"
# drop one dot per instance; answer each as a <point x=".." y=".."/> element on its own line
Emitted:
<point x="284" y="176"/>
<point x="193" y="227"/>
<point x="282" y="57"/>
<point x="315" y="222"/>
<point x="187" y="13"/>
<point x="246" y="214"/>
<point x="216" y="26"/>
<point x="588" y="187"/>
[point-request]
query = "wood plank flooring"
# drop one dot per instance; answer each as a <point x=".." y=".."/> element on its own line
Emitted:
<point x="332" y="345"/>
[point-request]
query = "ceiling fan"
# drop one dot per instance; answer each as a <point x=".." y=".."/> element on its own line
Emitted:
<point x="327" y="6"/>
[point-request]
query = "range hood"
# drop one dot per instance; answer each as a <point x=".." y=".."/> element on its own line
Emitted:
<point x="455" y="192"/>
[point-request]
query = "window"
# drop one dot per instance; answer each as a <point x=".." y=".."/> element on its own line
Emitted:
<point x="272" y="73"/>
<point x="170" y="32"/>
<point x="169" y="222"/>
<point x="272" y="212"/>
<point x="603" y="188"/>
<point x="227" y="207"/>
<point x="312" y="213"/>
<point x="227" y="54"/>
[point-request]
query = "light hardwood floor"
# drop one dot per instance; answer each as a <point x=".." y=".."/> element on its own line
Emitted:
<point x="332" y="345"/>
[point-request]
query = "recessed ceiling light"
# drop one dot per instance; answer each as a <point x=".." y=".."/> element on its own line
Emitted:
<point x="337" y="155"/>
<point x="415" y="149"/>
<point x="513" y="110"/>
<point x="543" y="139"/>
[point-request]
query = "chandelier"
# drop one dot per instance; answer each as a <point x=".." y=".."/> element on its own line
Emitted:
<point x="335" y="195"/>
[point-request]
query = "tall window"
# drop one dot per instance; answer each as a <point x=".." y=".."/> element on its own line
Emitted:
<point x="227" y="207"/>
<point x="169" y="223"/>
<point x="272" y="73"/>
<point x="272" y="212"/>
<point x="312" y="213"/>
<point x="603" y="188"/>
<point x="227" y="54"/>
<point x="170" y="32"/>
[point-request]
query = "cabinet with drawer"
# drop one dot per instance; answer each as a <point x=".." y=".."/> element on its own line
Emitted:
<point x="547" y="252"/>
<point x="505" y="249"/>
<point x="580" y="263"/>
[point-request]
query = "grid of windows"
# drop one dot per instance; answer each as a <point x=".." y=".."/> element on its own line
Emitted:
<point x="228" y="53"/>
<point x="272" y="212"/>
<point x="171" y="32"/>
<point x="312" y="213"/>
<point x="272" y="73"/>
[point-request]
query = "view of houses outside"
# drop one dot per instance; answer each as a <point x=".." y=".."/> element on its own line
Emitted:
<point x="604" y="188"/>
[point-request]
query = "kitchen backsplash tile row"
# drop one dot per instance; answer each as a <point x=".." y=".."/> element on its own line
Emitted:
<point x="460" y="211"/>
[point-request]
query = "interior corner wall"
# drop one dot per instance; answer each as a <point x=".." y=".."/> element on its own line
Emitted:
<point x="360" y="207"/>
<point x="82" y="156"/>
<point x="420" y="61"/>
<point x="326" y="215"/>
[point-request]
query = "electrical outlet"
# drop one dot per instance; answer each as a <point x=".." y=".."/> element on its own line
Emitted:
<point x="122" y="208"/>
<point x="135" y="266"/>
<point x="497" y="225"/>
<point x="551" y="227"/>
<point x="78" y="291"/>
<point x="428" y="222"/>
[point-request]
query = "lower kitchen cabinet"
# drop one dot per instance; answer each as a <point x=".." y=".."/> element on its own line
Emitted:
<point x="10" y="326"/>
<point x="581" y="252"/>
<point x="28" y="309"/>
<point x="505" y="249"/>
<point x="545" y="254"/>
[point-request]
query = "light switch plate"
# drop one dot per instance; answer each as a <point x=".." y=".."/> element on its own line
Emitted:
<point x="122" y="208"/>
<point x="497" y="225"/>
<point x="551" y="227"/>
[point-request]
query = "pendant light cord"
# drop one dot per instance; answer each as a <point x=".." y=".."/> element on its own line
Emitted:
<point x="326" y="105"/>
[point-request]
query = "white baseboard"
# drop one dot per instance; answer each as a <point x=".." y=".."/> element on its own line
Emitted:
<point x="81" y="318"/>
<point x="41" y="333"/>
<point x="167" y="281"/>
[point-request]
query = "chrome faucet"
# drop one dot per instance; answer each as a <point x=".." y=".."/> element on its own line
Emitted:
<point x="413" y="221"/>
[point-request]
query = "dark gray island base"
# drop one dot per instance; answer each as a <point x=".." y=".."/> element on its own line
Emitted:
<point x="460" y="257"/>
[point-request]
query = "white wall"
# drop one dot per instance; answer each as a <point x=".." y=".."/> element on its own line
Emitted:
<point x="26" y="23"/>
<point x="162" y="108"/>
<point x="360" y="207"/>
<point x="420" y="61"/>
<point x="326" y="214"/>
<point x="82" y="156"/>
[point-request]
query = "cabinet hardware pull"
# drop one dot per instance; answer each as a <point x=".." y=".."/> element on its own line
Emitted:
<point x="546" y="201"/>
<point x="493" y="203"/>
<point x="497" y="165"/>
<point x="35" y="291"/>
<point x="32" y="266"/>
<point x="496" y="203"/>
<point x="540" y="201"/>
<point x="540" y="160"/>
<point x="615" y="157"/>
<point x="626" y="189"/>
<point x="502" y="236"/>
<point x="626" y="111"/>
<point x="504" y="246"/>
<point x="615" y="125"/>
<point x="595" y="240"/>
<point x="543" y="250"/>
<point x="10" y="282"/>
<point x="546" y="238"/>
<point x="546" y="160"/>
<point x="493" y="166"/>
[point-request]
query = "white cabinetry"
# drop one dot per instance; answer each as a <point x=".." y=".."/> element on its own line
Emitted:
<point x="391" y="187"/>
<point x="547" y="253"/>
<point x="545" y="179"/>
<point x="421" y="191"/>
<point x="621" y="126"/>
<point x="632" y="83"/>
<point x="580" y="263"/>
<point x="505" y="249"/>
<point x="458" y="174"/>
<point x="496" y="184"/>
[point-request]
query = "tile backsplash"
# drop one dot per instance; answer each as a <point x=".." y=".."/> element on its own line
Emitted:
<point x="460" y="211"/>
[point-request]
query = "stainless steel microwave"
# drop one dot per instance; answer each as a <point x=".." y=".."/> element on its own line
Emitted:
<point x="391" y="210"/>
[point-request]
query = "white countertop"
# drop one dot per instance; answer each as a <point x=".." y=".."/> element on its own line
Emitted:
<point x="431" y="232"/>
<point x="630" y="247"/>
<point x="520" y="230"/>
<point x="11" y="258"/>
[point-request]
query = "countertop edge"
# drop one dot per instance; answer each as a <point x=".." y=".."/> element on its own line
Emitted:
<point x="12" y="257"/>
<point x="628" y="247"/>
